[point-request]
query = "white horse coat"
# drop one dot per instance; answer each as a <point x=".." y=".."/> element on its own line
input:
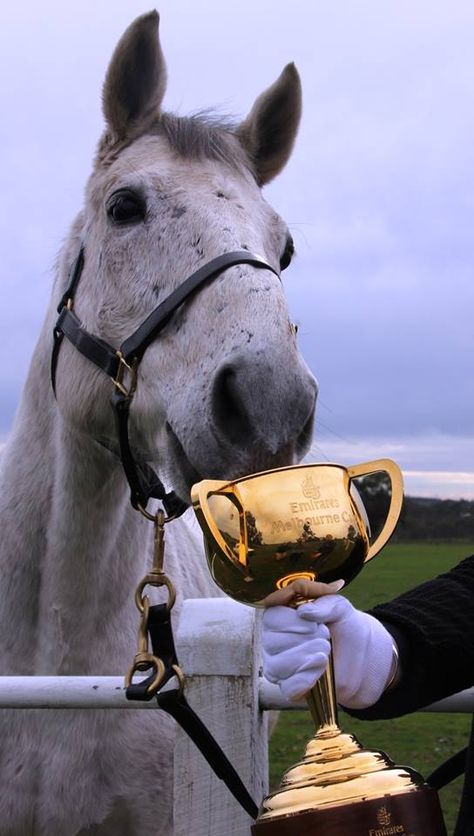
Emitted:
<point x="222" y="392"/>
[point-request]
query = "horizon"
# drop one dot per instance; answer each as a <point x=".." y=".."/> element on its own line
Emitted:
<point x="419" y="484"/>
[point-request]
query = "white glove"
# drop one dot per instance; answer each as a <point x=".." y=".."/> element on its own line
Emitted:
<point x="295" y="650"/>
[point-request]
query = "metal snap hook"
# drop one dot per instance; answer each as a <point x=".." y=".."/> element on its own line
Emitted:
<point x="142" y="662"/>
<point x="156" y="580"/>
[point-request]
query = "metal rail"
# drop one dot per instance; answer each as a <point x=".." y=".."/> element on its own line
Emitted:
<point x="109" y="692"/>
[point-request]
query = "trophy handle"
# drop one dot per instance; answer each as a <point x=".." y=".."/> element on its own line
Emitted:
<point x="387" y="466"/>
<point x="200" y="496"/>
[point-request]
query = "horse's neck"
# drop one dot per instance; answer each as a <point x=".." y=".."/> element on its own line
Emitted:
<point x="72" y="548"/>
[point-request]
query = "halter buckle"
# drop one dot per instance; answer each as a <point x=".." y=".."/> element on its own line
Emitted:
<point x="126" y="378"/>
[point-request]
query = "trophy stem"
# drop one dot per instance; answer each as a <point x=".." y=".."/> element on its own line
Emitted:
<point x="322" y="703"/>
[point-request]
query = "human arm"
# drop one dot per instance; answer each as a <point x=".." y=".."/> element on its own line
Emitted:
<point x="433" y="627"/>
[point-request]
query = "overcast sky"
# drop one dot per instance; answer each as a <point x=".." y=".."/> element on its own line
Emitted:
<point x="378" y="194"/>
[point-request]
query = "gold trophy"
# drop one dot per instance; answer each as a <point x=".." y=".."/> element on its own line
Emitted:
<point x="262" y="533"/>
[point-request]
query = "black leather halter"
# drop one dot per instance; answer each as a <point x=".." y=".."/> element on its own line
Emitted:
<point x="121" y="365"/>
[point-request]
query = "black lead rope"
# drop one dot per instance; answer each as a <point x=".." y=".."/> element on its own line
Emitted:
<point x="449" y="770"/>
<point x="175" y="703"/>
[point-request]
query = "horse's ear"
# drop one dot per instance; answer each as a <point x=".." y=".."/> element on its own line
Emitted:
<point x="270" y="129"/>
<point x="136" y="79"/>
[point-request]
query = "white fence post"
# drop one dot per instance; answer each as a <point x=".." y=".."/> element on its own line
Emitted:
<point x="218" y="648"/>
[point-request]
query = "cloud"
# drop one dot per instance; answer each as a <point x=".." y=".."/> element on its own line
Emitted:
<point x="432" y="465"/>
<point x="377" y="194"/>
<point x="440" y="484"/>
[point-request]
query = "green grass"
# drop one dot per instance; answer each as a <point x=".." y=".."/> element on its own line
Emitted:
<point x="420" y="740"/>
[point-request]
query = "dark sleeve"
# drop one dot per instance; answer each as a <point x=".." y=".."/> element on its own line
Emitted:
<point x="433" y="625"/>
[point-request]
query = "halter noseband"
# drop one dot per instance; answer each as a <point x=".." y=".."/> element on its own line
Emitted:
<point x="121" y="365"/>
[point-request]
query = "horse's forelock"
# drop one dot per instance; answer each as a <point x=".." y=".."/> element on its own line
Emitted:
<point x="200" y="136"/>
<point x="204" y="135"/>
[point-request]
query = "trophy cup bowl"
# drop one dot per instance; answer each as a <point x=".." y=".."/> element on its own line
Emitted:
<point x="307" y="522"/>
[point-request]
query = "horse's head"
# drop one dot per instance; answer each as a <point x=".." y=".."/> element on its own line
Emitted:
<point x="223" y="390"/>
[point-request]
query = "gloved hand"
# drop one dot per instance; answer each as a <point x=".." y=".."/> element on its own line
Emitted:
<point x="296" y="649"/>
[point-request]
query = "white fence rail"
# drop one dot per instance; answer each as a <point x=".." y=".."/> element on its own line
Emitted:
<point x="218" y="648"/>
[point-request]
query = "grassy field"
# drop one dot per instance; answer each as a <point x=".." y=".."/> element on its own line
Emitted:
<point x="422" y="741"/>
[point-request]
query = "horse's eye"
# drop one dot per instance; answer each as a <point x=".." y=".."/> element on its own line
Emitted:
<point x="126" y="207"/>
<point x="288" y="253"/>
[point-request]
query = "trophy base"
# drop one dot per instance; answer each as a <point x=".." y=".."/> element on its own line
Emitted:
<point x="413" y="813"/>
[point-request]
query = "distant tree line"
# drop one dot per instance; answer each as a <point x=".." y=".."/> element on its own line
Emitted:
<point x="420" y="519"/>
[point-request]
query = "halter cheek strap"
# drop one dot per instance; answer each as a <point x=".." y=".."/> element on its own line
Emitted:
<point x="121" y="365"/>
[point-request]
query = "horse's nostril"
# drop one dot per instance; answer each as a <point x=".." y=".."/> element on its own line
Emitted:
<point x="261" y="412"/>
<point x="229" y="410"/>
